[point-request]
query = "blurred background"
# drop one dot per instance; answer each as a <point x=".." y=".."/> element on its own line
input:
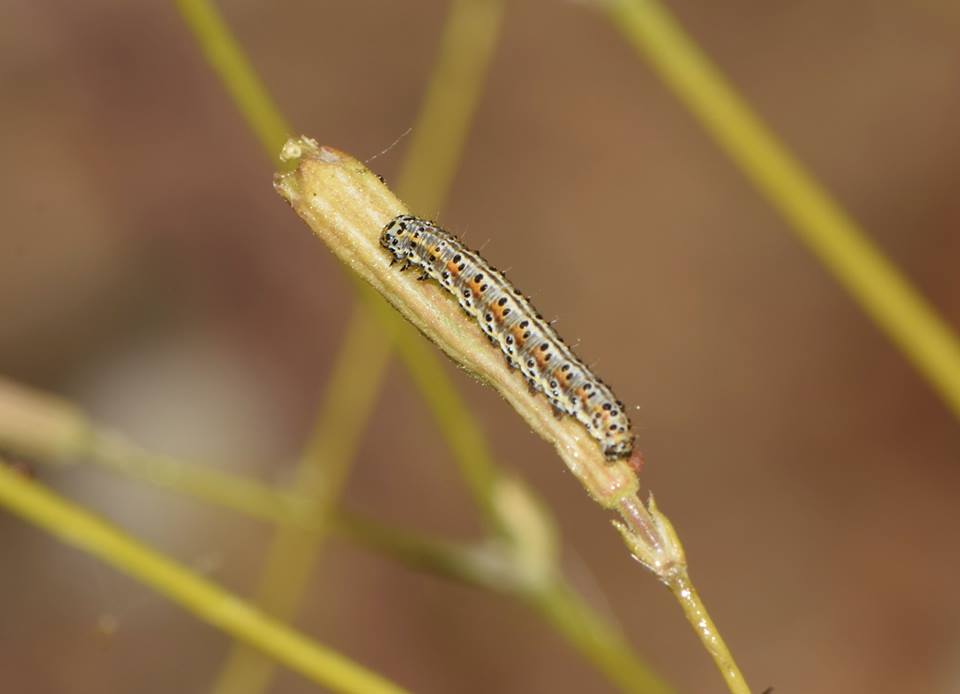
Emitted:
<point x="152" y="275"/>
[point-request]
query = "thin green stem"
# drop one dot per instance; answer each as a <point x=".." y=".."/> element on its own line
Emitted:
<point x="243" y="495"/>
<point x="80" y="529"/>
<point x="521" y="564"/>
<point x="696" y="613"/>
<point x="652" y="541"/>
<point x="480" y="566"/>
<point x="458" y="428"/>
<point x="440" y="130"/>
<point x="821" y="224"/>
<point x="466" y="47"/>
<point x="226" y="57"/>
<point x="321" y="473"/>
<point x="40" y="426"/>
<point x="596" y="639"/>
<point x="466" y="50"/>
<point x="491" y="566"/>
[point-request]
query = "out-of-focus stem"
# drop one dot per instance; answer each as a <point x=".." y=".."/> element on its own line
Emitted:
<point x="203" y="598"/>
<point x="349" y="397"/>
<point x="458" y="76"/>
<point x="467" y="44"/>
<point x="231" y="65"/>
<point x="597" y="640"/>
<point x="879" y="288"/>
<point x="521" y="563"/>
<point x="491" y="566"/>
<point x="466" y="48"/>
<point x="459" y="429"/>
<point x="39" y="426"/>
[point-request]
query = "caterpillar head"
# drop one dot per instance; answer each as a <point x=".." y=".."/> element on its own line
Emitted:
<point x="397" y="235"/>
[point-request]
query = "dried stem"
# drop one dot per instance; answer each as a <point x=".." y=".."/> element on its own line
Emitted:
<point x="346" y="206"/>
<point x="466" y="48"/>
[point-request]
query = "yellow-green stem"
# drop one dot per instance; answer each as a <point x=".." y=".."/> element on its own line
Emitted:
<point x="466" y="47"/>
<point x="228" y="61"/>
<point x="440" y="129"/>
<point x="821" y="224"/>
<point x="350" y="396"/>
<point x="490" y="567"/>
<point x="48" y="429"/>
<point x="605" y="647"/>
<point x="654" y="543"/>
<point x="438" y="138"/>
<point x="695" y="612"/>
<point x="206" y="600"/>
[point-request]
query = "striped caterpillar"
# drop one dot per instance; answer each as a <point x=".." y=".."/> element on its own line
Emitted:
<point x="510" y="321"/>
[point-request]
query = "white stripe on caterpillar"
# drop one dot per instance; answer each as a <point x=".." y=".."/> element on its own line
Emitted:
<point x="511" y="322"/>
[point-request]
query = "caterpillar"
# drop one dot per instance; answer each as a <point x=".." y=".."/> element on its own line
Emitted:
<point x="510" y="321"/>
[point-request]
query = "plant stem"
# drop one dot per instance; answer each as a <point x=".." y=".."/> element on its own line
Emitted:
<point x="655" y="544"/>
<point x="696" y="613"/>
<point x="203" y="598"/>
<point x="467" y="45"/>
<point x="490" y="567"/>
<point x="821" y="224"/>
<point x="348" y="400"/>
<point x="459" y="430"/>
<point x="39" y="426"/>
<point x="45" y="428"/>
<point x="470" y="35"/>
<point x="226" y="57"/>
<point x="346" y="206"/>
<point x="605" y="647"/>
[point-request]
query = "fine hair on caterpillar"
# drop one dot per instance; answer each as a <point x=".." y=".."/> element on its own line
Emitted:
<point x="511" y="322"/>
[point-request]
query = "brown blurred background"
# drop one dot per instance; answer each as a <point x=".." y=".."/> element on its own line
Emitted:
<point x="151" y="274"/>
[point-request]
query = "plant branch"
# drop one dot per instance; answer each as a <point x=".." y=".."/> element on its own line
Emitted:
<point x="39" y="426"/>
<point x="458" y="75"/>
<point x="522" y="561"/>
<point x="78" y="528"/>
<point x="839" y="243"/>
<point x="596" y="639"/>
<point x="467" y="43"/>
<point x="466" y="47"/>
<point x="224" y="55"/>
<point x="696" y="613"/>
<point x="320" y="476"/>
<point x="495" y="566"/>
<point x="346" y="206"/>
